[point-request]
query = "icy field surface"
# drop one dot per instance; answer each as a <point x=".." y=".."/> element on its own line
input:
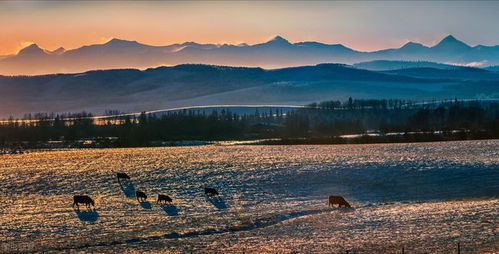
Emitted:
<point x="425" y="197"/>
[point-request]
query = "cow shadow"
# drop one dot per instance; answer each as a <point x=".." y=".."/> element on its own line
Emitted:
<point x="217" y="202"/>
<point x="146" y="205"/>
<point x="344" y="209"/>
<point x="170" y="210"/>
<point x="90" y="215"/>
<point x="347" y="209"/>
<point x="127" y="188"/>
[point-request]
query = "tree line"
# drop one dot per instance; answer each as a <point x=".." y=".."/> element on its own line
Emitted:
<point x="323" y="122"/>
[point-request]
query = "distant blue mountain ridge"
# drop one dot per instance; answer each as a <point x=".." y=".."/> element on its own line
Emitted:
<point x="276" y="53"/>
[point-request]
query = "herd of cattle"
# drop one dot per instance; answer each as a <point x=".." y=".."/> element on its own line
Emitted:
<point x="141" y="196"/>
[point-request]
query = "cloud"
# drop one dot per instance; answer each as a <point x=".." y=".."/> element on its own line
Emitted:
<point x="476" y="64"/>
<point x="469" y="64"/>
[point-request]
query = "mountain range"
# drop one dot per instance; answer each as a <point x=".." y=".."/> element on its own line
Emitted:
<point x="276" y="53"/>
<point x="133" y="90"/>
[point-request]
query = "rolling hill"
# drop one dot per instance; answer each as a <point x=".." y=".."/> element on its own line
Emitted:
<point x="132" y="90"/>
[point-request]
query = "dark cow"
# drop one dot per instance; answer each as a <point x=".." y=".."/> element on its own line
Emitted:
<point x="122" y="176"/>
<point x="333" y="200"/>
<point x="210" y="191"/>
<point x="141" y="196"/>
<point x="164" y="199"/>
<point x="82" y="199"/>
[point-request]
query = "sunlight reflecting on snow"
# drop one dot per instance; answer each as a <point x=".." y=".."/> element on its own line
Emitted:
<point x="272" y="197"/>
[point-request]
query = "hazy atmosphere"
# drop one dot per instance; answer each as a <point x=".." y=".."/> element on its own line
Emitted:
<point x="362" y="25"/>
<point x="284" y="127"/>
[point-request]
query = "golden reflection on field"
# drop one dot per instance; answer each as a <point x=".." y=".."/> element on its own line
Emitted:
<point x="272" y="197"/>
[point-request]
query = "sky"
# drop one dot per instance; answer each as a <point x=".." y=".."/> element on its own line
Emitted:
<point x="367" y="26"/>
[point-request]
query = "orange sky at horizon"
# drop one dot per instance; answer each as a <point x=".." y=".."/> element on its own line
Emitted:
<point x="365" y="26"/>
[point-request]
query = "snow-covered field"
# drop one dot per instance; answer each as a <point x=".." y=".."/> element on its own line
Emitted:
<point x="424" y="197"/>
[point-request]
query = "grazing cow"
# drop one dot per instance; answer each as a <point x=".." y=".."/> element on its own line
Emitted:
<point x="83" y="200"/>
<point x="338" y="200"/>
<point x="164" y="199"/>
<point x="210" y="191"/>
<point x="122" y="176"/>
<point x="141" y="196"/>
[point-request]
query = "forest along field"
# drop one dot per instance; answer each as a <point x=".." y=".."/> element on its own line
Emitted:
<point x="424" y="197"/>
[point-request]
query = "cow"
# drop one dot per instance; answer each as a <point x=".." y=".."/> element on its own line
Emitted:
<point x="141" y="196"/>
<point x="210" y="191"/>
<point x="338" y="200"/>
<point x="164" y="199"/>
<point x="83" y="199"/>
<point x="122" y="176"/>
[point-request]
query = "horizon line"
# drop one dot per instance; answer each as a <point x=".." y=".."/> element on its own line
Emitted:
<point x="275" y="37"/>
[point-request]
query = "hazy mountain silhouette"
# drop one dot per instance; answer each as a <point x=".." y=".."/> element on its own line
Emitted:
<point x="461" y="73"/>
<point x="275" y="53"/>
<point x="386" y="65"/>
<point x="451" y="44"/>
<point x="58" y="51"/>
<point x="132" y="90"/>
<point x="31" y="50"/>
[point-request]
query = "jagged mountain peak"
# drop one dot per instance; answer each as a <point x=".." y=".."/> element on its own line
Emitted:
<point x="32" y="49"/>
<point x="121" y="42"/>
<point x="412" y="45"/>
<point x="279" y="40"/>
<point x="450" y="42"/>
<point x="450" y="38"/>
<point x="59" y="51"/>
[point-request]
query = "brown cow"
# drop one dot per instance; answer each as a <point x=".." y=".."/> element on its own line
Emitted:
<point x="122" y="176"/>
<point x="211" y="192"/>
<point x="338" y="200"/>
<point x="141" y="196"/>
<point x="164" y="199"/>
<point x="83" y="199"/>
